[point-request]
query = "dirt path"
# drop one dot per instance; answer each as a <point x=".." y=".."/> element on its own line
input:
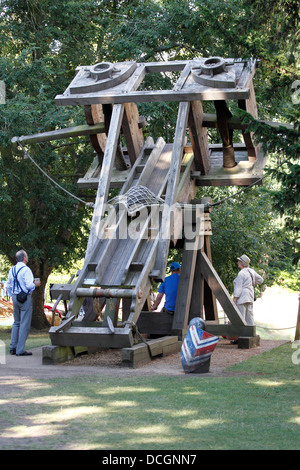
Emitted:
<point x="108" y="363"/>
<point x="277" y="309"/>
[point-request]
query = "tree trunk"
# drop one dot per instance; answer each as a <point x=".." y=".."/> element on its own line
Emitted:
<point x="39" y="320"/>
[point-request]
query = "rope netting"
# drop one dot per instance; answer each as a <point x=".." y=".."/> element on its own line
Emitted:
<point x="136" y="198"/>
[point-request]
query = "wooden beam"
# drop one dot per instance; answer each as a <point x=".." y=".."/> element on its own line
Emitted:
<point x="199" y="138"/>
<point x="173" y="179"/>
<point x="105" y="174"/>
<point x="210" y="303"/>
<point x="223" y="114"/>
<point x="133" y="134"/>
<point x="143" y="353"/>
<point x="150" y="96"/>
<point x="92" y="336"/>
<point x="155" y="323"/>
<point x="185" y="286"/>
<point x="60" y="134"/>
<point x="220" y="291"/>
<point x="229" y="329"/>
<point x="94" y="115"/>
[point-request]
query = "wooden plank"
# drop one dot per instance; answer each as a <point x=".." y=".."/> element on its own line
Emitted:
<point x="151" y="162"/>
<point x="197" y="296"/>
<point x="183" y="77"/>
<point x="105" y="174"/>
<point x="247" y="73"/>
<point x="173" y="179"/>
<point x="153" y="96"/>
<point x="251" y="107"/>
<point x="220" y="291"/>
<point x="60" y="134"/>
<point x="148" y="146"/>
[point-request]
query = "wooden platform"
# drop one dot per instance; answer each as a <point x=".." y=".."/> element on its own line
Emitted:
<point x="246" y="172"/>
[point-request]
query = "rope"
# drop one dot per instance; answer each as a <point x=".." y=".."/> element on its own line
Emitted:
<point x="276" y="329"/>
<point x="88" y="204"/>
<point x="138" y="334"/>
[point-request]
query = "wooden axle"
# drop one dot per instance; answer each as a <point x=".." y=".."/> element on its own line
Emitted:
<point x="98" y="292"/>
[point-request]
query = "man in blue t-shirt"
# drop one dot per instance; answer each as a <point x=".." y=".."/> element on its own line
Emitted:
<point x="169" y="289"/>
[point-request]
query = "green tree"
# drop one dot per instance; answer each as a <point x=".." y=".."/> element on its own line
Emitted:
<point x="40" y="43"/>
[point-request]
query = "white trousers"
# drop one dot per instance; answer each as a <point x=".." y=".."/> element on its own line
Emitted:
<point x="246" y="310"/>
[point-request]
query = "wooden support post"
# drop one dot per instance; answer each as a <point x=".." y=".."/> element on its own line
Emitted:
<point x="223" y="114"/>
<point x="199" y="138"/>
<point x="133" y="134"/>
<point x="250" y="106"/>
<point x="197" y="298"/>
<point x="210" y="302"/>
<point x="220" y="291"/>
<point x="185" y="286"/>
<point x="94" y="115"/>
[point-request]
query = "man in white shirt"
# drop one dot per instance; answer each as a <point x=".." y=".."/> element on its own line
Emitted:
<point x="243" y="294"/>
<point x="20" y="278"/>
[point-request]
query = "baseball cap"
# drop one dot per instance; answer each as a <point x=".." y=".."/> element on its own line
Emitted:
<point x="175" y="266"/>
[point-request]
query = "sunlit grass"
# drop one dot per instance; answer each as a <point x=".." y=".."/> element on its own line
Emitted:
<point x="257" y="410"/>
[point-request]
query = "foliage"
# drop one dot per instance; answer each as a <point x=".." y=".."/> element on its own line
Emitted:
<point x="244" y="224"/>
<point x="37" y="62"/>
<point x="283" y="147"/>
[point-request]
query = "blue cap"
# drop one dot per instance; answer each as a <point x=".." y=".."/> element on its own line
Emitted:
<point x="174" y="266"/>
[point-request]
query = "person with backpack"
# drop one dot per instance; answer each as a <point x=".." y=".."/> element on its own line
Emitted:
<point x="243" y="293"/>
<point x="20" y="286"/>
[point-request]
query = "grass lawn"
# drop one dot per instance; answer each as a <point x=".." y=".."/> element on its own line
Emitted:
<point x="257" y="408"/>
<point x="35" y="339"/>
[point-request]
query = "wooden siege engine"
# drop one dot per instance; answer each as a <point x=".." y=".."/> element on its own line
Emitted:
<point x="121" y="267"/>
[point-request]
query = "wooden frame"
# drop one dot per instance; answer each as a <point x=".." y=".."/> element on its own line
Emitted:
<point x="117" y="269"/>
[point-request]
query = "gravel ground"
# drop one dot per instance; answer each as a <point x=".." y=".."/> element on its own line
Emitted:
<point x="108" y="363"/>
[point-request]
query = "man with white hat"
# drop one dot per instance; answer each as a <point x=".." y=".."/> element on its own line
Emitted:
<point x="243" y="294"/>
<point x="169" y="288"/>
